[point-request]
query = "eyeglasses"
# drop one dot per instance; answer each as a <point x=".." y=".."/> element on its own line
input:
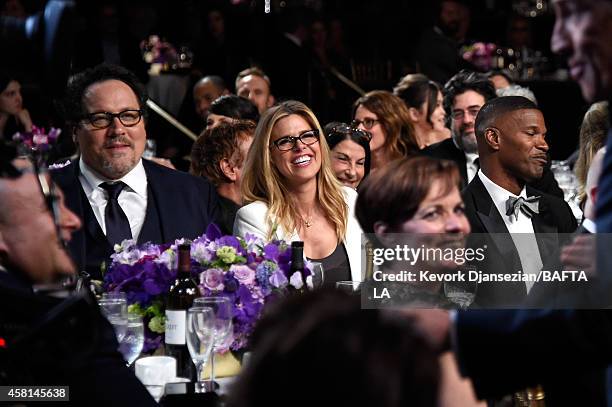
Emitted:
<point x="460" y="114"/>
<point x="351" y="131"/>
<point x="287" y="143"/>
<point x="102" y="120"/>
<point x="367" y="123"/>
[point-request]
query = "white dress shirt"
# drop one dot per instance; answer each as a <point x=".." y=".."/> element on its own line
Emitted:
<point x="589" y="225"/>
<point x="471" y="166"/>
<point x="132" y="199"/>
<point x="521" y="229"/>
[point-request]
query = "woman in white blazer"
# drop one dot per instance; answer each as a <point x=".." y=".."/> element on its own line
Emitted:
<point x="291" y="192"/>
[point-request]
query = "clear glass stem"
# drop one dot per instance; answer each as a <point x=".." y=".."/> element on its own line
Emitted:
<point x="199" y="385"/>
<point x="212" y="369"/>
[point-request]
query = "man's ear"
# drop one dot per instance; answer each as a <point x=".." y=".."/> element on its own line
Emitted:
<point x="383" y="233"/>
<point x="271" y="100"/>
<point x="491" y="136"/>
<point x="75" y="139"/>
<point x="228" y="169"/>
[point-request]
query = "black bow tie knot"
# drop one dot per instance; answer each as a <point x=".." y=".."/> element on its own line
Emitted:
<point x="529" y="206"/>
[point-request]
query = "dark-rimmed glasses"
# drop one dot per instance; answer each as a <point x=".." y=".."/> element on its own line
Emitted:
<point x="287" y="143"/>
<point x="102" y="120"/>
<point x="460" y="114"/>
<point x="368" y="123"/>
<point x="351" y="131"/>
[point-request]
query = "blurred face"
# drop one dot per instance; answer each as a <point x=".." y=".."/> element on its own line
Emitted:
<point x="438" y="115"/>
<point x="367" y="118"/>
<point x="244" y="144"/>
<point x="522" y="145"/>
<point x="213" y="120"/>
<point x="450" y="17"/>
<point x="203" y="95"/>
<point x="302" y="163"/>
<point x="464" y="110"/>
<point x="348" y="160"/>
<point x="115" y="150"/>
<point x="499" y="82"/>
<point x="28" y="237"/>
<point x="256" y="89"/>
<point x="11" y="102"/>
<point x="582" y="32"/>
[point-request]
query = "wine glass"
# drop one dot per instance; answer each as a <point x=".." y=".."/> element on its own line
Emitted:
<point x="115" y="310"/>
<point x="318" y="274"/>
<point x="200" y="335"/>
<point x="222" y="309"/>
<point x="133" y="341"/>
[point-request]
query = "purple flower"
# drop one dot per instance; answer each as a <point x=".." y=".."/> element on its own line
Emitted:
<point x="212" y="279"/>
<point x="271" y="252"/>
<point x="231" y="284"/>
<point x="278" y="279"/>
<point x="296" y="280"/>
<point x="244" y="274"/>
<point x="213" y="232"/>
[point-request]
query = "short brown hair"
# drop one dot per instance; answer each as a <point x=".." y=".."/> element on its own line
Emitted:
<point x="393" y="194"/>
<point x="216" y="144"/>
<point x="255" y="71"/>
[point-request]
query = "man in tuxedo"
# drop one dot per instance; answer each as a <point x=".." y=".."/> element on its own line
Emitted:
<point x="551" y="346"/>
<point x="510" y="133"/>
<point x="255" y="85"/>
<point x="464" y="95"/>
<point x="46" y="340"/>
<point x="116" y="193"/>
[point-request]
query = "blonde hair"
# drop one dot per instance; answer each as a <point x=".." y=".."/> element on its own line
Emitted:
<point x="263" y="182"/>
<point x="593" y="133"/>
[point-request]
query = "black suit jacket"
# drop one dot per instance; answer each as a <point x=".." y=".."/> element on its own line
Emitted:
<point x="447" y="150"/>
<point x="501" y="257"/>
<point x="63" y="342"/>
<point x="185" y="205"/>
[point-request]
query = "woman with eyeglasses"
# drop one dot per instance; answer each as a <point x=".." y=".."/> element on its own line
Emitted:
<point x="386" y="117"/>
<point x="425" y="110"/>
<point x="350" y="153"/>
<point x="292" y="193"/>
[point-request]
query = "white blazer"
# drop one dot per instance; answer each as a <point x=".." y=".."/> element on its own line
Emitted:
<point x="253" y="218"/>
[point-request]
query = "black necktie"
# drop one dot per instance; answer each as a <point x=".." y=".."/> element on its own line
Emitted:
<point x="529" y="206"/>
<point x="117" y="225"/>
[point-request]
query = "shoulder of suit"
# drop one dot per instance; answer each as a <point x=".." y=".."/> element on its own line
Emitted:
<point x="257" y="207"/>
<point x="177" y="178"/>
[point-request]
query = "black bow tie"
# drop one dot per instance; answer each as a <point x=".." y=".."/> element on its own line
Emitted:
<point x="529" y="206"/>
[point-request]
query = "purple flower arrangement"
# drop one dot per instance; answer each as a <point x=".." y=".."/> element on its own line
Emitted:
<point x="480" y="54"/>
<point x="248" y="271"/>
<point x="37" y="143"/>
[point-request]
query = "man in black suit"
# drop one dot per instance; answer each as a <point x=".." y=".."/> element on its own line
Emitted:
<point x="46" y="340"/>
<point x="464" y="95"/>
<point x="117" y="194"/>
<point x="513" y="151"/>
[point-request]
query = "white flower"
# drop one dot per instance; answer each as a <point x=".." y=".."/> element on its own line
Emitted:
<point x="296" y="280"/>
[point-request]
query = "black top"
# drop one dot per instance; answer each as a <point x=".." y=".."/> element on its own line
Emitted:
<point x="335" y="267"/>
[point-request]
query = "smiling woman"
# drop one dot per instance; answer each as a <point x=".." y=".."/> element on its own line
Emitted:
<point x="292" y="192"/>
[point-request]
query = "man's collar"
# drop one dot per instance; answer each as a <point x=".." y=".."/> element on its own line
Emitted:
<point x="136" y="179"/>
<point x="498" y="194"/>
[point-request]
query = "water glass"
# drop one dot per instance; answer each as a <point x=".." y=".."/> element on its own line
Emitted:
<point x="349" y="287"/>
<point x="200" y="335"/>
<point x="222" y="310"/>
<point x="318" y="274"/>
<point x="133" y="341"/>
<point x="115" y="310"/>
<point x="154" y="372"/>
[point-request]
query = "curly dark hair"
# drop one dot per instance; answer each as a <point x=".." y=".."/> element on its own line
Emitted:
<point x="463" y="81"/>
<point x="72" y="105"/>
<point x="216" y="144"/>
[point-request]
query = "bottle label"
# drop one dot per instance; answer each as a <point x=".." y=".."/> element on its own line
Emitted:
<point x="175" y="327"/>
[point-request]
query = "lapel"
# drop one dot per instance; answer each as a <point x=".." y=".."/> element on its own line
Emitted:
<point x="165" y="205"/>
<point x="545" y="232"/>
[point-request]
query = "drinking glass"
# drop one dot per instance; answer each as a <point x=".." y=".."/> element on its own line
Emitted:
<point x="222" y="310"/>
<point x="349" y="287"/>
<point x="318" y="274"/>
<point x="133" y="341"/>
<point x="115" y="310"/>
<point x="461" y="293"/>
<point x="200" y="335"/>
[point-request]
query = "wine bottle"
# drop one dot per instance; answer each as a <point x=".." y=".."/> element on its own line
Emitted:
<point x="179" y="300"/>
<point x="297" y="259"/>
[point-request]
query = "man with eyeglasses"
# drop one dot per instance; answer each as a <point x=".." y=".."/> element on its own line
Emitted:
<point x="45" y="340"/>
<point x="464" y="95"/>
<point x="117" y="194"/>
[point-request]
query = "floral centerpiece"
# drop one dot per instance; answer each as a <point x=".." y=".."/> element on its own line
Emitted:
<point x="37" y="143"/>
<point x="163" y="56"/>
<point x="249" y="271"/>
<point x="480" y="54"/>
